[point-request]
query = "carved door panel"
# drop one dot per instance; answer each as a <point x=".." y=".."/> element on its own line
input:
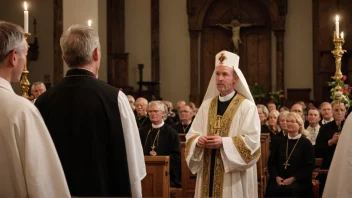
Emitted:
<point x="255" y="55"/>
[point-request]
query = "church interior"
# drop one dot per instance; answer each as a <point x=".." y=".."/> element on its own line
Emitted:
<point x="165" y="49"/>
<point x="288" y="48"/>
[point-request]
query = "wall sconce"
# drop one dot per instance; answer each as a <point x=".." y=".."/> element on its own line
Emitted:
<point x="33" y="51"/>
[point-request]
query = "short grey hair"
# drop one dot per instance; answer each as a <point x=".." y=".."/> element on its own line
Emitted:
<point x="38" y="83"/>
<point x="158" y="103"/>
<point x="11" y="37"/>
<point x="78" y="45"/>
<point x="264" y="109"/>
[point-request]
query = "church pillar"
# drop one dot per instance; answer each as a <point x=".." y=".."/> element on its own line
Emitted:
<point x="117" y="58"/>
<point x="194" y="69"/>
<point x="280" y="73"/>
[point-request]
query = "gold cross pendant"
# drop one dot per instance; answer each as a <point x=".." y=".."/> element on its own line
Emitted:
<point x="286" y="164"/>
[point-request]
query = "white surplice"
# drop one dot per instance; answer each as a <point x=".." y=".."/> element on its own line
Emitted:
<point x="29" y="164"/>
<point x="134" y="150"/>
<point x="340" y="172"/>
<point x="240" y="177"/>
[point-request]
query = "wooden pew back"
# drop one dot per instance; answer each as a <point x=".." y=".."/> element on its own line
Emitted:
<point x="157" y="181"/>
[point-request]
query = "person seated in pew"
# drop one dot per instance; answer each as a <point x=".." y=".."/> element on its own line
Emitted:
<point x="263" y="116"/>
<point x="291" y="162"/>
<point x="162" y="139"/>
<point x="328" y="138"/>
<point x="312" y="130"/>
<point x="186" y="118"/>
<point x="281" y="121"/>
<point x="142" y="118"/>
<point x="167" y="119"/>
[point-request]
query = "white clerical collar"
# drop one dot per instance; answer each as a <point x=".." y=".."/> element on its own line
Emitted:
<point x="156" y="126"/>
<point x="227" y="97"/>
<point x="5" y="84"/>
<point x="327" y="121"/>
<point x="294" y="138"/>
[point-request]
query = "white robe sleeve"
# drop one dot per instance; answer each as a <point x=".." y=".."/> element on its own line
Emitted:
<point x="135" y="156"/>
<point x="194" y="154"/>
<point x="242" y="149"/>
<point x="42" y="168"/>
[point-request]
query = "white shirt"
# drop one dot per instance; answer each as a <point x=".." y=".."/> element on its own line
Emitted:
<point x="312" y="133"/>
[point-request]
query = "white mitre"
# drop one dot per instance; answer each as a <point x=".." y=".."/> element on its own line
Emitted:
<point x="228" y="59"/>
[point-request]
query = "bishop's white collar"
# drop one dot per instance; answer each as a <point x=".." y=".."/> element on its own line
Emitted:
<point x="227" y="97"/>
<point x="294" y="138"/>
<point x="156" y="126"/>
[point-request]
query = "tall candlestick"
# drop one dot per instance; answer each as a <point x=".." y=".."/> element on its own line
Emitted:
<point x="337" y="26"/>
<point x="89" y="23"/>
<point x="25" y="25"/>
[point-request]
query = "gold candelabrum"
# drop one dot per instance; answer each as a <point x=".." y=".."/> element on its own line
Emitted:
<point x="24" y="83"/>
<point x="338" y="53"/>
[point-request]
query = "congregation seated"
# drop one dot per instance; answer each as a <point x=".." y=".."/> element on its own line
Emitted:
<point x="281" y="121"/>
<point x="37" y="89"/>
<point x="162" y="139"/>
<point x="263" y="115"/>
<point x="299" y="108"/>
<point x="326" y="113"/>
<point x="328" y="138"/>
<point x="291" y="162"/>
<point x="312" y="130"/>
<point x="186" y="117"/>
<point x="141" y="113"/>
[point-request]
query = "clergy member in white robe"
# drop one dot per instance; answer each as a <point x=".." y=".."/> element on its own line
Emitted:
<point x="29" y="164"/>
<point x="223" y="144"/>
<point x="340" y="172"/>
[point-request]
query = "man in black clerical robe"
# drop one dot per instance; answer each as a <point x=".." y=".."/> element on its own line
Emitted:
<point x="301" y="165"/>
<point x="162" y="139"/>
<point x="92" y="125"/>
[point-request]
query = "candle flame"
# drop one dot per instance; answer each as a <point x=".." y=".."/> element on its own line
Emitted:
<point x="89" y="23"/>
<point x="337" y="18"/>
<point x="25" y="6"/>
<point x="341" y="34"/>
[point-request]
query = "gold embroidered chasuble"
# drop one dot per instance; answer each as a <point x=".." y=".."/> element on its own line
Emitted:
<point x="220" y="125"/>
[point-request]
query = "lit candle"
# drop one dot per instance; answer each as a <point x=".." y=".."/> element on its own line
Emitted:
<point x="337" y="26"/>
<point x="89" y="23"/>
<point x="341" y="34"/>
<point x="25" y="25"/>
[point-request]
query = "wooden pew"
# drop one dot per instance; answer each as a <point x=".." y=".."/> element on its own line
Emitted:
<point x="262" y="164"/>
<point x="157" y="181"/>
<point x="188" y="180"/>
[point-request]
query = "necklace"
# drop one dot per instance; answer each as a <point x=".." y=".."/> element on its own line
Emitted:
<point x="185" y="129"/>
<point x="152" y="152"/>
<point x="288" y="158"/>
<point x="141" y="124"/>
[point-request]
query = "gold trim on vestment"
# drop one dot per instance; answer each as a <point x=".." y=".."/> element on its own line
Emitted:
<point x="189" y="144"/>
<point x="226" y="121"/>
<point x="244" y="151"/>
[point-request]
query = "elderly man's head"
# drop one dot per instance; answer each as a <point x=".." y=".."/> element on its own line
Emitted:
<point x="80" y="46"/>
<point x="141" y="107"/>
<point x="37" y="89"/>
<point x="186" y="114"/>
<point x="326" y="111"/>
<point x="156" y="112"/>
<point x="13" y="51"/>
<point x="131" y="100"/>
<point x="299" y="109"/>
